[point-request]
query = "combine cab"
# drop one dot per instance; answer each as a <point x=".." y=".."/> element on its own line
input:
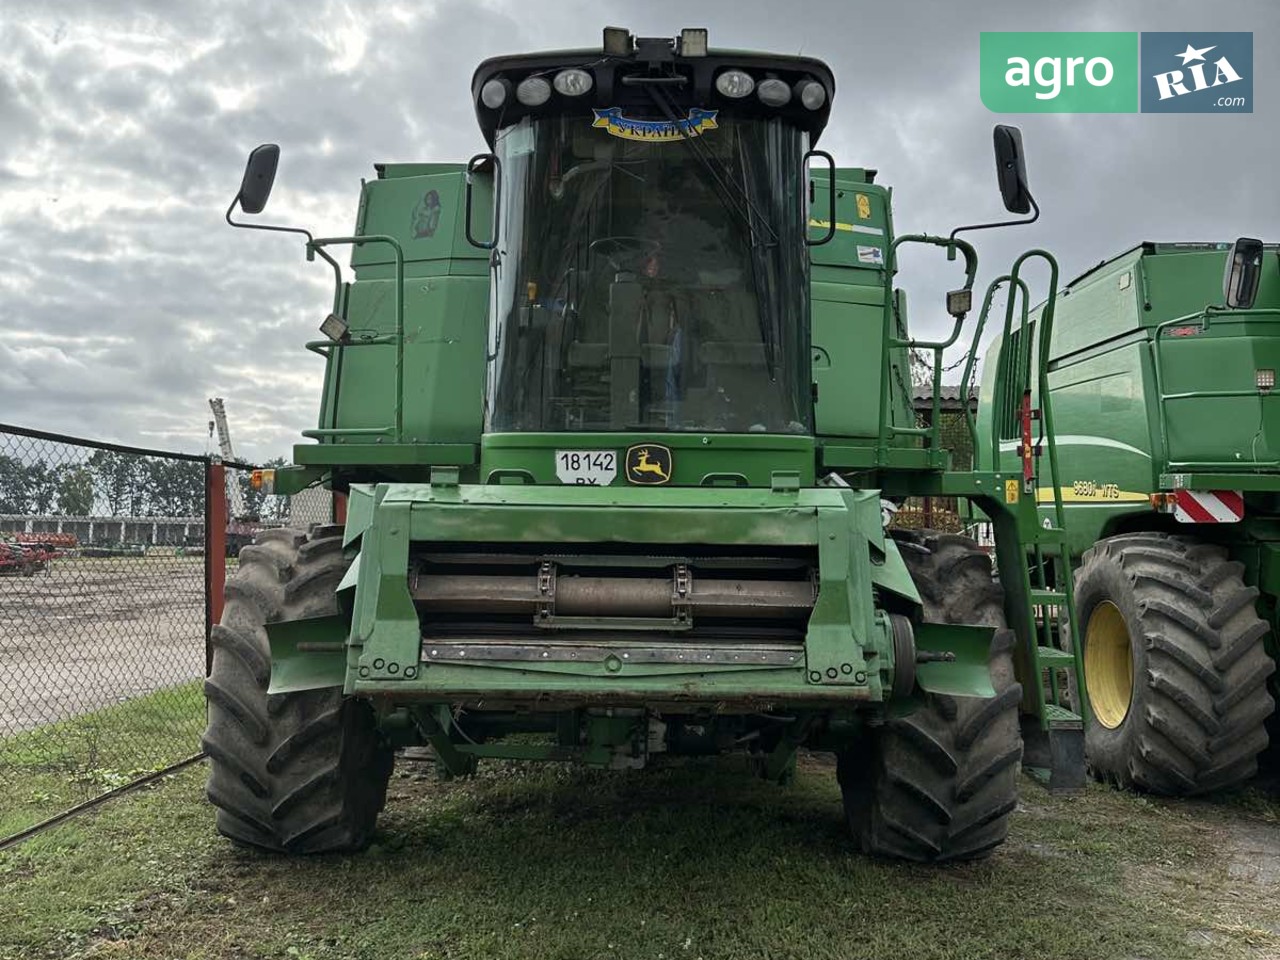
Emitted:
<point x="614" y="407"/>
<point x="1162" y="375"/>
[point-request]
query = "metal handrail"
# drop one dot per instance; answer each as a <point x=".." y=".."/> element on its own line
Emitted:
<point x="397" y="429"/>
<point x="966" y="379"/>
<point x="1045" y="336"/>
<point x="890" y="339"/>
<point x="1205" y="319"/>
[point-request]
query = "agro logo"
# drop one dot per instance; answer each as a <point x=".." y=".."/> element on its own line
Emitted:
<point x="655" y="131"/>
<point x="649" y="463"/>
<point x="1197" y="73"/>
<point x="426" y="215"/>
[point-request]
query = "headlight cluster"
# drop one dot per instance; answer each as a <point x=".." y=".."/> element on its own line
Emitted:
<point x="536" y="90"/>
<point x="732" y="83"/>
<point x="772" y="92"/>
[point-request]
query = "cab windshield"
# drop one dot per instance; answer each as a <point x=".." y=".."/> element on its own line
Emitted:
<point x="645" y="282"/>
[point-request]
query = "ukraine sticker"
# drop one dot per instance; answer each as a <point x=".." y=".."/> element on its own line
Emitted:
<point x="655" y="131"/>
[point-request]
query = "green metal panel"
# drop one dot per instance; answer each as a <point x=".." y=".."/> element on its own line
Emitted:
<point x="848" y="296"/>
<point x="1214" y="411"/>
<point x="848" y="656"/>
<point x="1102" y="306"/>
<point x="426" y="214"/>
<point x="502" y="513"/>
<point x="1180" y="282"/>
<point x="443" y="356"/>
<point x="846" y="358"/>
<point x="308" y="654"/>
<point x="386" y="454"/>
<point x="697" y="459"/>
<point x="1104" y="438"/>
<point x="862" y="226"/>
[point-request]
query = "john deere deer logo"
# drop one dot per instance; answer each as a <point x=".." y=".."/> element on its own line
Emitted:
<point x="649" y="463"/>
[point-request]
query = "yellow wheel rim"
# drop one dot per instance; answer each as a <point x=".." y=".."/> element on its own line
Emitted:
<point x="1108" y="665"/>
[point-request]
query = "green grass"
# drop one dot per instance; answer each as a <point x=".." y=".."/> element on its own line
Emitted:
<point x="689" y="861"/>
<point x="50" y="768"/>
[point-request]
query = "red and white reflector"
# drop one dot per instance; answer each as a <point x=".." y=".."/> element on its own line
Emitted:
<point x="1208" y="506"/>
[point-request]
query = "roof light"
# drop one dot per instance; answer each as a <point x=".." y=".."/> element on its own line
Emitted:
<point x="617" y="41"/>
<point x="572" y="82"/>
<point x="735" y="84"/>
<point x="494" y="93"/>
<point x="812" y="94"/>
<point x="693" y="42"/>
<point x="773" y="92"/>
<point x="533" y="91"/>
<point x="959" y="302"/>
<point x="334" y="327"/>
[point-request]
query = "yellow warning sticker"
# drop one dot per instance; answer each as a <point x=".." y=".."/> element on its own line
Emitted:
<point x="864" y="206"/>
<point x="1011" y="491"/>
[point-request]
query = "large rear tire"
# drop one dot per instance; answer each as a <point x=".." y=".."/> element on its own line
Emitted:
<point x="298" y="772"/>
<point x="940" y="783"/>
<point x="1175" y="667"/>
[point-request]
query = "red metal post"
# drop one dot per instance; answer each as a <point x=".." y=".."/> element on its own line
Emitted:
<point x="340" y="508"/>
<point x="215" y="540"/>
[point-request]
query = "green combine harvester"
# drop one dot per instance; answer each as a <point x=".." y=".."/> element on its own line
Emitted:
<point x="1162" y="372"/>
<point x="614" y="408"/>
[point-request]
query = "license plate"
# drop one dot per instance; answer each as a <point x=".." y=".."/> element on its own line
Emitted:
<point x="595" y="468"/>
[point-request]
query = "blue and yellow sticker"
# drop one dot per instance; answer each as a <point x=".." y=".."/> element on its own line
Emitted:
<point x="655" y="131"/>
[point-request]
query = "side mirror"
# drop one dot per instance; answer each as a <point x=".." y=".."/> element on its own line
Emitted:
<point x="1243" y="271"/>
<point x="831" y="198"/>
<point x="1011" y="169"/>
<point x="259" y="175"/>
<point x="476" y="164"/>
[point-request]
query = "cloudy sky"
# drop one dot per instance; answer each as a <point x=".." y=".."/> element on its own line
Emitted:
<point x="128" y="301"/>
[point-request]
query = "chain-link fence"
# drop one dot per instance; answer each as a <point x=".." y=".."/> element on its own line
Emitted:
<point x="947" y="514"/>
<point x="107" y="586"/>
<point x="256" y="510"/>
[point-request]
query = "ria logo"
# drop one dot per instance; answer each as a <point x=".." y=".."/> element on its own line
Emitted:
<point x="1197" y="72"/>
<point x="1171" y="84"/>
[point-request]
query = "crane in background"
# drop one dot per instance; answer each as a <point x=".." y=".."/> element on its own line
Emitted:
<point x="235" y="496"/>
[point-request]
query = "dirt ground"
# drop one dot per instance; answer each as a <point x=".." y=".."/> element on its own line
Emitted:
<point x="88" y="633"/>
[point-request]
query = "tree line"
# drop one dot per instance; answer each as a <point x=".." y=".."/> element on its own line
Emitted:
<point x="113" y="484"/>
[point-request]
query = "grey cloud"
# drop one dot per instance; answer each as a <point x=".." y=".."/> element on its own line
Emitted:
<point x="129" y="301"/>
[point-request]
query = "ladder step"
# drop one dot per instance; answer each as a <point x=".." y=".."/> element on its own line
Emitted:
<point x="1061" y="717"/>
<point x="1052" y="655"/>
<point x="1048" y="598"/>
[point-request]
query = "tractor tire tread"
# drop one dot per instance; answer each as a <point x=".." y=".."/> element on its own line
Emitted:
<point x="301" y="772"/>
<point x="1202" y="701"/>
<point x="940" y="783"/>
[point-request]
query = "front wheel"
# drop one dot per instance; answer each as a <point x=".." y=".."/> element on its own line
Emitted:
<point x="296" y="772"/>
<point x="940" y="783"/>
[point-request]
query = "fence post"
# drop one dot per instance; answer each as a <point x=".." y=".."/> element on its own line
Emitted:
<point x="215" y="541"/>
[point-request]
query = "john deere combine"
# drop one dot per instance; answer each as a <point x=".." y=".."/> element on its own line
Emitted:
<point x="1162" y="371"/>
<point x="614" y="407"/>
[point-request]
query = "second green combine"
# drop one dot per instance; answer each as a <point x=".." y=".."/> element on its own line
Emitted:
<point x="1162" y="375"/>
